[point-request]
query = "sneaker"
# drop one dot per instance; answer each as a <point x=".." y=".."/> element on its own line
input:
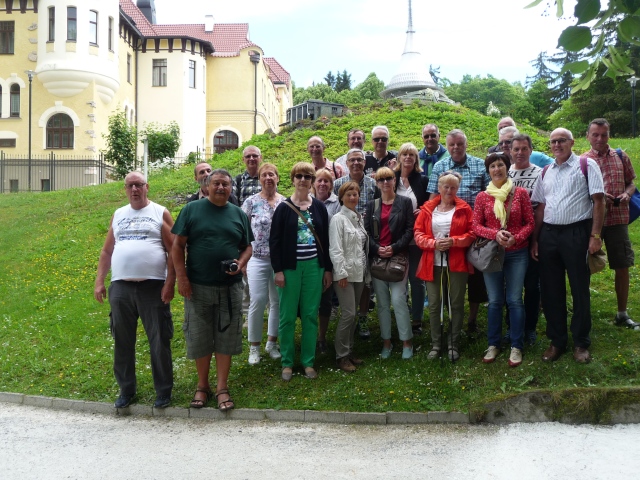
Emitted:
<point x="491" y="354"/>
<point x="123" y="401"/>
<point x="273" y="349"/>
<point x="515" y="358"/>
<point x="363" y="327"/>
<point x="386" y="352"/>
<point x="254" y="355"/>
<point x="625" y="321"/>
<point x="506" y="339"/>
<point x="531" y="337"/>
<point x="345" y="365"/>
<point x="162" y="402"/>
<point x="407" y="352"/>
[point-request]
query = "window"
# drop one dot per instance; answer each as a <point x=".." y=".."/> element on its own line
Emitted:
<point x="7" y="32"/>
<point x="52" y="24"/>
<point x="72" y="26"/>
<point x="192" y="74"/>
<point x="14" y="100"/>
<point x="129" y="67"/>
<point x="45" y="184"/>
<point x="60" y="131"/>
<point x="225" y="140"/>
<point x="7" y="142"/>
<point x="160" y="72"/>
<point x="93" y="27"/>
<point x="110" y="40"/>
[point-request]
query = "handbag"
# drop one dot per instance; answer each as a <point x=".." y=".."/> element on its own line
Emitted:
<point x="391" y="269"/>
<point x="634" y="206"/>
<point x="487" y="255"/>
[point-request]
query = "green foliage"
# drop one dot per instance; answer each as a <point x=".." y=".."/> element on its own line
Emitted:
<point x="367" y="91"/>
<point x="611" y="23"/>
<point x="476" y="93"/>
<point x="330" y="79"/>
<point x="121" y="144"/>
<point x="163" y="140"/>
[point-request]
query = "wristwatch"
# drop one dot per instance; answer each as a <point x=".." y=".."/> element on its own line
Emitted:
<point x="596" y="235"/>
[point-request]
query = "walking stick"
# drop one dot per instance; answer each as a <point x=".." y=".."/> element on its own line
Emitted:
<point x="442" y="349"/>
<point x="449" y="305"/>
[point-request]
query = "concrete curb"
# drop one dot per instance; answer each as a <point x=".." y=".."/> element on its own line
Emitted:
<point x="575" y="406"/>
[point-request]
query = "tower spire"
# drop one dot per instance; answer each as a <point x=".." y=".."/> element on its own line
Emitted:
<point x="410" y="28"/>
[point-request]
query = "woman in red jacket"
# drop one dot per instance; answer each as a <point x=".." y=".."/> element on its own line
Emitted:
<point x="443" y="232"/>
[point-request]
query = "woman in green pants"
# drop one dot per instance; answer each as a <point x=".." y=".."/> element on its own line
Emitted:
<point x="299" y="245"/>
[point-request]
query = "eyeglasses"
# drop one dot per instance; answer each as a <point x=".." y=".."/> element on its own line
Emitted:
<point x="137" y="185"/>
<point x="300" y="176"/>
<point x="558" y="141"/>
<point x="385" y="179"/>
<point x="252" y="155"/>
<point x="356" y="160"/>
<point x="504" y="142"/>
<point x="381" y="139"/>
<point x="430" y="135"/>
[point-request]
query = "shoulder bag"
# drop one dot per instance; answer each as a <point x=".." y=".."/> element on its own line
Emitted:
<point x="391" y="269"/>
<point x="488" y="255"/>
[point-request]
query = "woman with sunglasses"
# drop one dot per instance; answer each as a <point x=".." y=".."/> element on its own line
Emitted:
<point x="443" y="232"/>
<point x="389" y="223"/>
<point x="503" y="213"/>
<point x="412" y="184"/>
<point x="299" y="246"/>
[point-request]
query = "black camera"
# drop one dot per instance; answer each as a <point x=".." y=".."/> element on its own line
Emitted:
<point x="616" y="202"/>
<point x="227" y="266"/>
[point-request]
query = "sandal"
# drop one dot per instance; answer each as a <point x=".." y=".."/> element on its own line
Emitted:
<point x="196" y="402"/>
<point x="225" y="405"/>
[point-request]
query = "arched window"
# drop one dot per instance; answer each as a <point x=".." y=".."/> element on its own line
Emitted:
<point x="225" y="140"/>
<point x="60" y="131"/>
<point x="14" y="100"/>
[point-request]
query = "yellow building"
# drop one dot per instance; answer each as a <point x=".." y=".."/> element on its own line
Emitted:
<point x="83" y="61"/>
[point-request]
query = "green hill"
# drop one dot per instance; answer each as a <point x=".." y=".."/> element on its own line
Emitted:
<point x="55" y="337"/>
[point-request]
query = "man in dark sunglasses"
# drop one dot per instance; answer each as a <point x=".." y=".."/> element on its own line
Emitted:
<point x="381" y="156"/>
<point x="433" y="150"/>
<point x="503" y="123"/>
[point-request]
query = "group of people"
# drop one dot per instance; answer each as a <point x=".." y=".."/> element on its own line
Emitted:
<point x="344" y="227"/>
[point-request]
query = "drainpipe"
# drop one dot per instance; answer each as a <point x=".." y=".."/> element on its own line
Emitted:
<point x="255" y="59"/>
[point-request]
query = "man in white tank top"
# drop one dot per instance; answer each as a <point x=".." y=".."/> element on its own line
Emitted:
<point x="142" y="286"/>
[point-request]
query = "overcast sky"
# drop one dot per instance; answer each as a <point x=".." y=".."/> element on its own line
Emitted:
<point x="311" y="37"/>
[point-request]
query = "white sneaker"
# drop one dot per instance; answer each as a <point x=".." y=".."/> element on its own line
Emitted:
<point x="273" y="349"/>
<point x="254" y="355"/>
<point x="491" y="354"/>
<point x="515" y="358"/>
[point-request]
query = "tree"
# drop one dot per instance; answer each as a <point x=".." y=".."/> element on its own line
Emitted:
<point x="561" y="85"/>
<point x="163" y="140"/>
<point x="611" y="23"/>
<point x="331" y="79"/>
<point x="343" y="81"/>
<point x="369" y="89"/>
<point x="543" y="72"/>
<point x="539" y="97"/>
<point x="121" y="144"/>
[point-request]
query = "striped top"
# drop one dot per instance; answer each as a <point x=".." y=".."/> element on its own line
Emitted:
<point x="566" y="193"/>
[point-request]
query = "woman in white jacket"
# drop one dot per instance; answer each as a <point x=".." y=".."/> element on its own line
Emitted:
<point x="349" y="250"/>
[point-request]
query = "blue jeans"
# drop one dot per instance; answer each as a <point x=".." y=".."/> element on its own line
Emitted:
<point x="509" y="281"/>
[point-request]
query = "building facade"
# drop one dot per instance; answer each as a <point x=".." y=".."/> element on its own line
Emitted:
<point x="69" y="65"/>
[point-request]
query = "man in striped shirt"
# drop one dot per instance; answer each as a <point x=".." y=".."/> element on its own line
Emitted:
<point x="569" y="219"/>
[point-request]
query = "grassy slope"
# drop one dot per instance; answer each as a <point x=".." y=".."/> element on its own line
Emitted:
<point x="55" y="338"/>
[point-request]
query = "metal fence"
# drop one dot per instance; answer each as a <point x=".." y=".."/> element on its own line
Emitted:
<point x="46" y="173"/>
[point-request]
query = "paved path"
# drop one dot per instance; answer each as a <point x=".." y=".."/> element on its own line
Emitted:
<point x="37" y="443"/>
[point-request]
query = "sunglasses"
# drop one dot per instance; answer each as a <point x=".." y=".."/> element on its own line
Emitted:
<point x="380" y="139"/>
<point x="504" y="142"/>
<point x="430" y="135"/>
<point x="385" y="179"/>
<point x="300" y="176"/>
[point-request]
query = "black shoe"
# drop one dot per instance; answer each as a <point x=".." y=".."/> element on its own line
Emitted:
<point x="123" y="401"/>
<point x="162" y="402"/>
<point x="416" y="329"/>
<point x="531" y="337"/>
<point x="321" y="347"/>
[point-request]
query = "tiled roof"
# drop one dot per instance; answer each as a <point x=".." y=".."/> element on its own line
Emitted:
<point x="227" y="38"/>
<point x="278" y="74"/>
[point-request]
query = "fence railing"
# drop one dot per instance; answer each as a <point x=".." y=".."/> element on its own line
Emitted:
<point x="44" y="173"/>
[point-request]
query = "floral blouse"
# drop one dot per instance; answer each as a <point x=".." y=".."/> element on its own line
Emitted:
<point x="260" y="214"/>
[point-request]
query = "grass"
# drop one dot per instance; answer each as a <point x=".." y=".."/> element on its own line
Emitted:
<point x="55" y="340"/>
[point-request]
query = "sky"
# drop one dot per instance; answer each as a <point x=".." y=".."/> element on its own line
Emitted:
<point x="312" y="37"/>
